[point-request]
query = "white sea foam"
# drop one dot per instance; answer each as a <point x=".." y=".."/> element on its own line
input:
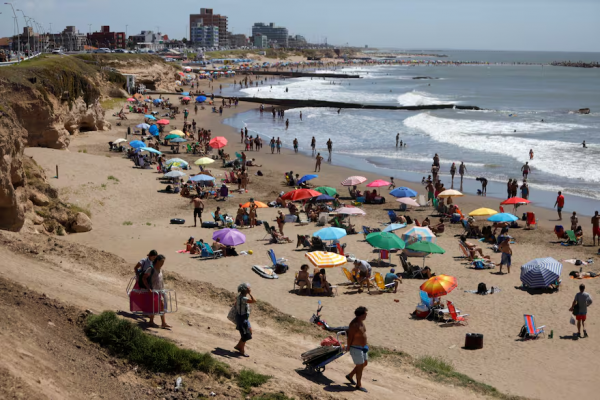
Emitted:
<point x="554" y="157"/>
<point x="416" y="98"/>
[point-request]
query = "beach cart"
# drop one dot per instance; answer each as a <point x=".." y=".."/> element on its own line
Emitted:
<point x="150" y="302"/>
<point x="316" y="360"/>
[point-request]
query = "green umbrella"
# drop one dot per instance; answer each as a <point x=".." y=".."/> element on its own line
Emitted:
<point x="385" y="240"/>
<point x="326" y="190"/>
<point x="168" y="137"/>
<point x="426" y="247"/>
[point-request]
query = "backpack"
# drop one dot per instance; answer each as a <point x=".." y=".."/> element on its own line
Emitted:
<point x="482" y="288"/>
<point x="523" y="332"/>
<point x="140" y="274"/>
<point x="410" y="221"/>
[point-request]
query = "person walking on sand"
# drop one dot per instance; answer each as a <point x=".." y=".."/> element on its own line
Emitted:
<point x="506" y="254"/>
<point x="579" y="308"/>
<point x="295" y="145"/>
<point x="318" y="164"/>
<point x="198" y="208"/>
<point x="525" y="168"/>
<point x="397" y="139"/>
<point x="157" y="283"/>
<point x="392" y="184"/>
<point x="329" y="148"/>
<point x="278" y="143"/>
<point x="358" y="348"/>
<point x="559" y="204"/>
<point x="596" y="227"/>
<point x="452" y="173"/>
<point x="148" y="261"/>
<point x="272" y="144"/>
<point x="313" y="145"/>
<point x="242" y="311"/>
<point x="462" y="168"/>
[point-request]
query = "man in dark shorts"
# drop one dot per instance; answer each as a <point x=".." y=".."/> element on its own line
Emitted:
<point x="596" y="227"/>
<point x="198" y="208"/>
<point x="559" y="204"/>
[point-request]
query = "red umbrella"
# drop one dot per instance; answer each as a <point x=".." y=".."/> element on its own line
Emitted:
<point x="515" y="201"/>
<point x="163" y="122"/>
<point x="300" y="194"/>
<point x="218" y="142"/>
<point x="186" y="98"/>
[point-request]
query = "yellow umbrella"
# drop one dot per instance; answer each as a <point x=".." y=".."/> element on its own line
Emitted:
<point x="177" y="132"/>
<point x="450" y="193"/>
<point x="482" y="212"/>
<point x="324" y="259"/>
<point x="203" y="160"/>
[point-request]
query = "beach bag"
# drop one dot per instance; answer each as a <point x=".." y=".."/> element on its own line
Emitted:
<point x="140" y="281"/>
<point x="232" y="314"/>
<point x="578" y="262"/>
<point x="479" y="265"/>
<point x="523" y="332"/>
<point x="482" y="288"/>
<point x="572" y="321"/>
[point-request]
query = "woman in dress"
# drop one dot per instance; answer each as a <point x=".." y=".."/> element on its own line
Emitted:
<point x="242" y="305"/>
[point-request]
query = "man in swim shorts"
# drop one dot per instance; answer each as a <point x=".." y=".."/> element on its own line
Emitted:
<point x="198" y="208"/>
<point x="559" y="204"/>
<point x="506" y="254"/>
<point x="357" y="345"/>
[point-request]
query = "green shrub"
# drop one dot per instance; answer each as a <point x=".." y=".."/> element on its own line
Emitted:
<point x="112" y="178"/>
<point x="127" y="223"/>
<point x="76" y="209"/>
<point x="272" y="396"/>
<point x="126" y="340"/>
<point x="247" y="379"/>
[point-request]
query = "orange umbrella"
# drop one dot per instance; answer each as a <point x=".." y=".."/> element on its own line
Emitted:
<point x="218" y="142"/>
<point x="258" y="204"/>
<point x="300" y="194"/>
<point x="163" y="122"/>
<point x="441" y="285"/>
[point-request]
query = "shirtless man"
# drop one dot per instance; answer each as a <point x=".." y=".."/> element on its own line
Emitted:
<point x="318" y="164"/>
<point x="506" y="254"/>
<point x="397" y="139"/>
<point x="462" y="168"/>
<point x="198" y="208"/>
<point x="526" y="168"/>
<point x="596" y="227"/>
<point x="574" y="221"/>
<point x="430" y="191"/>
<point x="357" y="345"/>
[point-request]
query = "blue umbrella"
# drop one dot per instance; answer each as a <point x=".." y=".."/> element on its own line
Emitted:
<point x="153" y="130"/>
<point x="393" y="227"/>
<point x="137" y="144"/>
<point x="325" y="197"/>
<point x="502" y="217"/>
<point x="541" y="272"/>
<point x="148" y="100"/>
<point x="143" y="126"/>
<point x="150" y="149"/>
<point x="185" y="93"/>
<point x="178" y="140"/>
<point x="150" y="117"/>
<point x="330" y="233"/>
<point x="307" y="178"/>
<point x="201" y="178"/>
<point x="403" y="192"/>
<point x="201" y="99"/>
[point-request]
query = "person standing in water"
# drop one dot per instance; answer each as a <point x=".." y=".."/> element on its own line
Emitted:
<point x="329" y="148"/>
<point x="462" y="168"/>
<point x="531" y="154"/>
<point x="453" y="172"/>
<point x="313" y="145"/>
<point x="287" y="124"/>
<point x="584" y="145"/>
<point x="525" y="168"/>
<point x="295" y="145"/>
<point x="300" y="115"/>
<point x="397" y="139"/>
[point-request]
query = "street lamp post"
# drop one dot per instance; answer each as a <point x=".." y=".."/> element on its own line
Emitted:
<point x="27" y="26"/>
<point x="18" y="33"/>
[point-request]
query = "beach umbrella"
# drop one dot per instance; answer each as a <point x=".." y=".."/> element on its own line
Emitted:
<point x="515" y="201"/>
<point x="201" y="99"/>
<point x="408" y="201"/>
<point x="180" y="73"/>
<point x="218" y="142"/>
<point x="330" y="233"/>
<point x="201" y="178"/>
<point x="350" y="211"/>
<point x="163" y="122"/>
<point x="150" y="150"/>
<point x="150" y="117"/>
<point x="440" y="285"/>
<point x="186" y="98"/>
<point x="176" y="160"/>
<point x="204" y="161"/>
<point x="502" y="217"/>
<point x="178" y="140"/>
<point x="137" y="144"/>
<point x="385" y="240"/>
<point x="119" y="141"/>
<point x="169" y="137"/>
<point x="131" y="99"/>
<point x="353" y="180"/>
<point x="258" y="204"/>
<point x="185" y="93"/>
<point x="541" y="272"/>
<point x="394" y="227"/>
<point x="378" y="183"/>
<point x="174" y="174"/>
<point x="307" y="178"/>
<point x="157" y="101"/>
<point x="482" y="212"/>
<point x="326" y="190"/>
<point x="417" y="234"/>
<point x="176" y="132"/>
<point x="450" y="193"/>
<point x="300" y="194"/>
<point x="143" y="126"/>
<point x="148" y="100"/>
<point x="403" y="192"/>
<point x="229" y="237"/>
<point x="324" y="259"/>
<point x="154" y="130"/>
<point x="325" y="197"/>
<point x="426" y="247"/>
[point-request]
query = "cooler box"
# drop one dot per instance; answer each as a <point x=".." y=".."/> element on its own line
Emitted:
<point x="360" y="199"/>
<point x="473" y="341"/>
<point x="422" y="311"/>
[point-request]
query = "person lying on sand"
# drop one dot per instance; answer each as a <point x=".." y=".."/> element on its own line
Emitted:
<point x="582" y="275"/>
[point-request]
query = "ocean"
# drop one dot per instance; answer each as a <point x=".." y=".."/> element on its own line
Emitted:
<point x="526" y="106"/>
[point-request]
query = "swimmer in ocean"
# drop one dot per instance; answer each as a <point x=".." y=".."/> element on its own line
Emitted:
<point x="531" y="154"/>
<point x="584" y="146"/>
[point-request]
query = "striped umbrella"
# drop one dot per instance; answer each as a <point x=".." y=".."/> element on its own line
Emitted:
<point x="418" y="234"/>
<point x="541" y="272"/>
<point x="324" y="259"/>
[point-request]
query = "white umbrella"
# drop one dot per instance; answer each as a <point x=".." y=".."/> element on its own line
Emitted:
<point x="350" y="211"/>
<point x="119" y="141"/>
<point x="408" y="201"/>
<point x="450" y="193"/>
<point x="174" y="174"/>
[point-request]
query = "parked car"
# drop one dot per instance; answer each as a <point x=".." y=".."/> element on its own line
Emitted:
<point x="121" y="51"/>
<point x="102" y="50"/>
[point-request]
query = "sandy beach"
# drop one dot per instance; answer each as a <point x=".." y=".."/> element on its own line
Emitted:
<point x="131" y="216"/>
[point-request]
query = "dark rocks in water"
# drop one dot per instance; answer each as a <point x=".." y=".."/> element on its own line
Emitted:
<point x="583" y="111"/>
<point x="424" y="77"/>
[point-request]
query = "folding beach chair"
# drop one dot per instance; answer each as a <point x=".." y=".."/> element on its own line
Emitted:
<point x="351" y="278"/>
<point x="276" y="261"/>
<point x="532" y="331"/>
<point x="572" y="239"/>
<point x="559" y="231"/>
<point x="380" y="284"/>
<point x="456" y="319"/>
<point x="267" y="228"/>
<point x="422" y="201"/>
<point x="393" y="216"/>
<point x="208" y="252"/>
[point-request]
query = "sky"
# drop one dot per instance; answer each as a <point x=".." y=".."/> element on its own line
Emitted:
<point x="540" y="25"/>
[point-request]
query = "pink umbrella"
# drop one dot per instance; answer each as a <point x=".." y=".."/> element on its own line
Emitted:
<point x="354" y="180"/>
<point x="350" y="211"/>
<point x="163" y="122"/>
<point x="408" y="201"/>
<point x="130" y="99"/>
<point x="378" y="183"/>
<point x="186" y="98"/>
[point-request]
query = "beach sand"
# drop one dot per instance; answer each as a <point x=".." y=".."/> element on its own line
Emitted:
<point x="548" y="369"/>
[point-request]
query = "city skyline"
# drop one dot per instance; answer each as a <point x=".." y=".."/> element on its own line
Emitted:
<point x="537" y="25"/>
